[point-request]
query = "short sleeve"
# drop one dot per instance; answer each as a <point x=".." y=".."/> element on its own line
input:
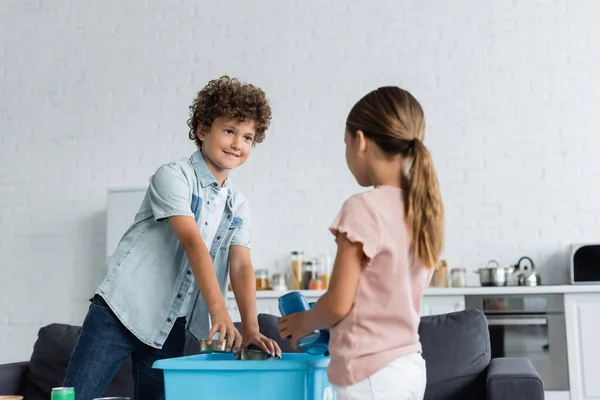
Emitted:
<point x="358" y="221"/>
<point x="242" y="234"/>
<point x="169" y="193"/>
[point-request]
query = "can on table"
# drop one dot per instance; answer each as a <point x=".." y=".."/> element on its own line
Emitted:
<point x="62" y="393"/>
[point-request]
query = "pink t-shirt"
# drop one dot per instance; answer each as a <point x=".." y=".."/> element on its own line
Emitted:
<point x="383" y="322"/>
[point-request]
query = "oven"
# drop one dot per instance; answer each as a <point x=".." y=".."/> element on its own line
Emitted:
<point x="530" y="326"/>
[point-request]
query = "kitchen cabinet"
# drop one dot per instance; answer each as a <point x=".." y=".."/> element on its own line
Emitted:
<point x="434" y="305"/>
<point x="583" y="346"/>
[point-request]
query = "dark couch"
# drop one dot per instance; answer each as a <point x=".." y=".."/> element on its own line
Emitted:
<point x="456" y="348"/>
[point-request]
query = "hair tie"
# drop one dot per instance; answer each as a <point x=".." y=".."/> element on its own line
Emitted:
<point x="412" y="144"/>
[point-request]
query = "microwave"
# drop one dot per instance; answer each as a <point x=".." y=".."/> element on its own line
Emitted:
<point x="585" y="263"/>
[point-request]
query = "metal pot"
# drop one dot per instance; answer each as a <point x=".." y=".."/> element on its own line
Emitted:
<point x="493" y="276"/>
<point x="528" y="276"/>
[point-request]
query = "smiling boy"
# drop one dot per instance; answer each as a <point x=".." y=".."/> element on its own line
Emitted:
<point x="169" y="271"/>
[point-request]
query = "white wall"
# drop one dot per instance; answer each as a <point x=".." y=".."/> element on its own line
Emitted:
<point x="95" y="94"/>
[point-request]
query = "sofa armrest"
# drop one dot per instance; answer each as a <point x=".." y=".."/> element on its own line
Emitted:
<point x="512" y="378"/>
<point x="11" y="377"/>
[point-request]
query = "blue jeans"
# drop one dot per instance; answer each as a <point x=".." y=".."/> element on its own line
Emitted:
<point x="103" y="346"/>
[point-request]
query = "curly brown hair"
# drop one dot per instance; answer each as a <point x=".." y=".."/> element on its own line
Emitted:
<point x="229" y="97"/>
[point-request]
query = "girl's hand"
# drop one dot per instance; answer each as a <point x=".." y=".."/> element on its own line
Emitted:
<point x="293" y="327"/>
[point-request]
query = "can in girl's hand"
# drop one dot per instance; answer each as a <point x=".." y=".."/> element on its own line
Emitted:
<point x="315" y="343"/>
<point x="292" y="302"/>
<point x="62" y="393"/>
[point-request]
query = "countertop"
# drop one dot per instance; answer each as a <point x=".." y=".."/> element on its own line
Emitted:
<point x="462" y="291"/>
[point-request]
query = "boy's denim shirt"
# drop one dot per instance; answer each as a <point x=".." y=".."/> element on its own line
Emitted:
<point x="149" y="274"/>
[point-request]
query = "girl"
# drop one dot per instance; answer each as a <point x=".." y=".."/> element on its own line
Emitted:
<point x="389" y="240"/>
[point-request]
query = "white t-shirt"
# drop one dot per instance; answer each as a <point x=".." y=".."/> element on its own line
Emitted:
<point x="209" y="219"/>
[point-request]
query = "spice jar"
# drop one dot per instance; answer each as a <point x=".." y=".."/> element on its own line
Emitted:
<point x="296" y="266"/>
<point x="279" y="282"/>
<point x="458" y="276"/>
<point x="440" y="275"/>
<point x="316" y="283"/>
<point x="309" y="272"/>
<point x="325" y="269"/>
<point x="262" y="279"/>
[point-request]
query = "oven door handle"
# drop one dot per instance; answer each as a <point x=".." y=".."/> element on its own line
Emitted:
<point x="517" y="321"/>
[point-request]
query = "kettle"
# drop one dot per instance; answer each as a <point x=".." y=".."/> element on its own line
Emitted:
<point x="526" y="274"/>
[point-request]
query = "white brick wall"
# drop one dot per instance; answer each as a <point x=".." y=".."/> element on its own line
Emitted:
<point x="95" y="94"/>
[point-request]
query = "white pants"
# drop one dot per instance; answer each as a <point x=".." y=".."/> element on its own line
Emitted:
<point x="402" y="379"/>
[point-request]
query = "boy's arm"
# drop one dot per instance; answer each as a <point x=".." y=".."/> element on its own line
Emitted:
<point x="187" y="232"/>
<point x="241" y="274"/>
<point x="170" y="196"/>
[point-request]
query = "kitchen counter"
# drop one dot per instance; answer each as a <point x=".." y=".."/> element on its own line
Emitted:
<point x="462" y="291"/>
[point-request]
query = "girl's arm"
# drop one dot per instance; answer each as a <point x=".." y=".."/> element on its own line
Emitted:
<point x="337" y="302"/>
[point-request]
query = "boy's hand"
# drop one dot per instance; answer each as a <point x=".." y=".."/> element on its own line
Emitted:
<point x="221" y="323"/>
<point x="293" y="327"/>
<point x="267" y="345"/>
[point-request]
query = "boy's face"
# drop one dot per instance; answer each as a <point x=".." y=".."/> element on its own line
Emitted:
<point x="227" y="144"/>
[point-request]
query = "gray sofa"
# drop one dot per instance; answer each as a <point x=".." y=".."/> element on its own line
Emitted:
<point x="456" y="348"/>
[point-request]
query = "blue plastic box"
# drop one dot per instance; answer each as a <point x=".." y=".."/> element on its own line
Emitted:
<point x="217" y="376"/>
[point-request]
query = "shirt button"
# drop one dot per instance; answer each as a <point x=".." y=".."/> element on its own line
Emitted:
<point x="206" y="223"/>
<point x="168" y="319"/>
<point x="215" y="184"/>
<point x="208" y="203"/>
<point x="218" y="237"/>
<point x="178" y="296"/>
<point x="229" y="217"/>
<point x="189" y="272"/>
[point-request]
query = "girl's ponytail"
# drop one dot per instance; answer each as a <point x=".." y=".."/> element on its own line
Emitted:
<point x="424" y="208"/>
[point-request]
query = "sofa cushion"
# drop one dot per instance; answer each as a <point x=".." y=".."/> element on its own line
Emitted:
<point x="50" y="358"/>
<point x="457" y="354"/>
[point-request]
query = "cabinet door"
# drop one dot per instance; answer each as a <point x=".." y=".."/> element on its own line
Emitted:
<point x="583" y="346"/>
<point x="233" y="311"/>
<point x="433" y="305"/>
<point x="263" y="306"/>
<point x="268" y="306"/>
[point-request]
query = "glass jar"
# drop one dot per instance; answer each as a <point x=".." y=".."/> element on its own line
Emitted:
<point x="325" y="269"/>
<point x="458" y="276"/>
<point x="279" y="282"/>
<point x="296" y="266"/>
<point x="262" y="279"/>
<point x="316" y="283"/>
<point x="309" y="272"/>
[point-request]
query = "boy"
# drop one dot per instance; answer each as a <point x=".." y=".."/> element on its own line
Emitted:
<point x="192" y="225"/>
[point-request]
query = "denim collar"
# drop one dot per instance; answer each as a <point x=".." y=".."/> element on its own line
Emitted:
<point x="206" y="178"/>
